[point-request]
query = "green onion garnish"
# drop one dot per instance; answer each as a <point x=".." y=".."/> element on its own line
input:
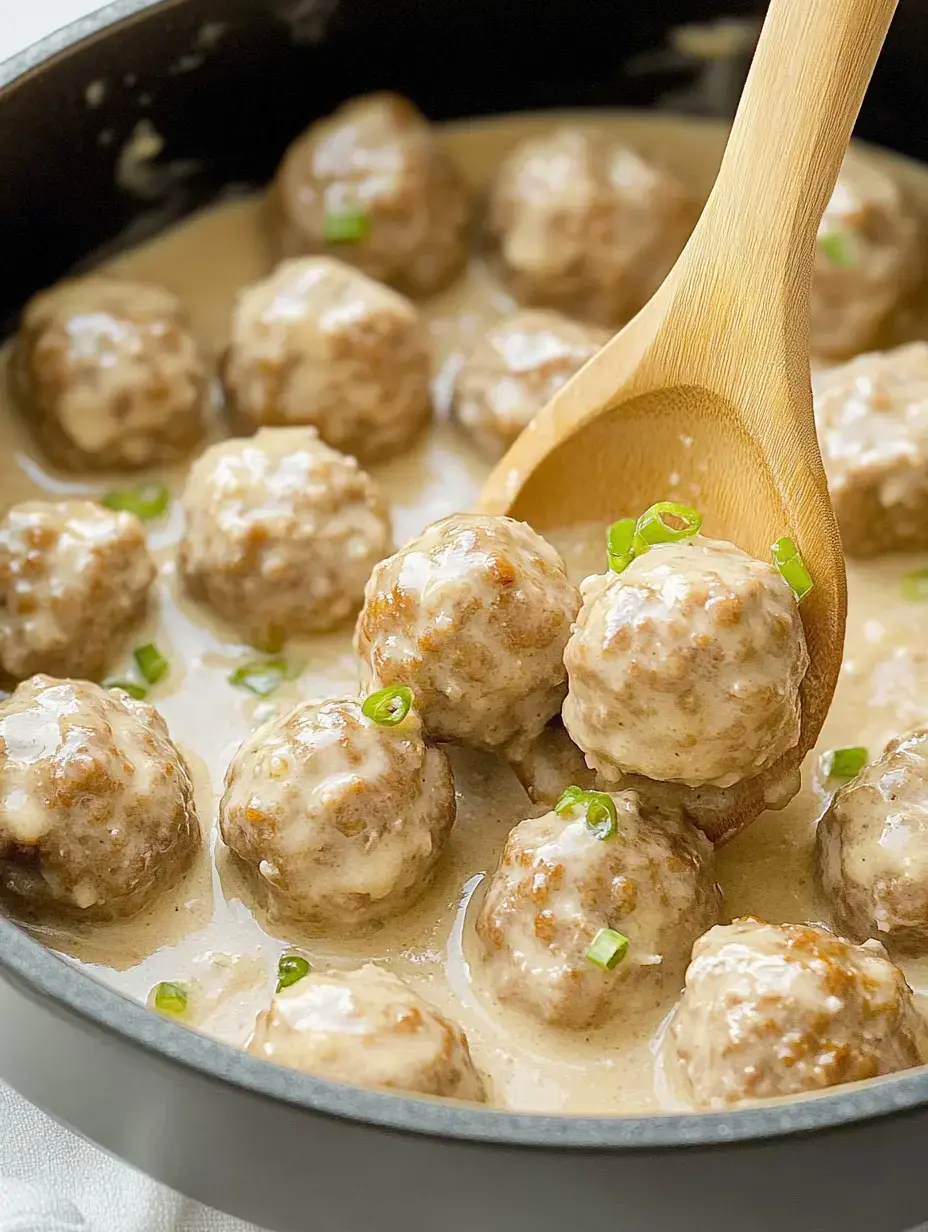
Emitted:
<point x="653" y="528"/>
<point x="170" y="998"/>
<point x="601" y="817"/>
<point x="138" y="691"/>
<point x="148" y="501"/>
<point x="290" y="968"/>
<point x="151" y="662"/>
<point x="261" y="676"/>
<point x="345" y="226"/>
<point x="843" y="763"/>
<point x="836" y="248"/>
<point x="787" y="559"/>
<point x="608" y="949"/>
<point x="915" y="586"/>
<point x="388" y="706"/>
<point x="620" y="538"/>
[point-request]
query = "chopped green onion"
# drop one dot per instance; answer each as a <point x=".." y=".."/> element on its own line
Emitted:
<point x="601" y="817"/>
<point x="138" y="691"/>
<point x="261" y="676"/>
<point x="843" y="763"/>
<point x="652" y="527"/>
<point x="148" y="501"/>
<point x="388" y="706"/>
<point x="608" y="949"/>
<point x="345" y="226"/>
<point x="915" y="586"/>
<point x="620" y="539"/>
<point x="151" y="662"/>
<point x="170" y="998"/>
<point x="290" y="968"/>
<point x="787" y="559"/>
<point x="836" y="248"/>
<point x="569" y="799"/>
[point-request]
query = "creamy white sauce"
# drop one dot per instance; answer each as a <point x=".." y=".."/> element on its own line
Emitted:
<point x="210" y="931"/>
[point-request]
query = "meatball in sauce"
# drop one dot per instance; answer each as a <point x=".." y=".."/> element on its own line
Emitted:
<point x="281" y="534"/>
<point x="97" y="814"/>
<point x="318" y="343"/>
<point x="110" y="375"/>
<point x="73" y="578"/>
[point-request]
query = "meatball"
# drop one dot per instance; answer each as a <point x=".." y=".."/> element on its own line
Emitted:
<point x="372" y="183"/>
<point x="517" y="368"/>
<point x="553" y="760"/>
<point x="73" y="577"/>
<point x="343" y="818"/>
<point x="872" y="848"/>
<point x="868" y="258"/>
<point x="582" y="223"/>
<point x="110" y="374"/>
<point x="473" y="615"/>
<point x="96" y="804"/>
<point x="318" y="343"/>
<point x="282" y="533"/>
<point x="872" y="419"/>
<point x="778" y="1009"/>
<point x="558" y="884"/>
<point x="368" y="1028"/>
<point x="687" y="666"/>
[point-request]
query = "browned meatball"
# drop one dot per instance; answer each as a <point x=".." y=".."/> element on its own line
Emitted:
<point x="318" y="343"/>
<point x="368" y="1028"/>
<point x="110" y="374"/>
<point x="96" y="804"/>
<point x="559" y="883"/>
<point x="282" y="533"/>
<point x="473" y="614"/>
<point x="582" y="223"/>
<point x="780" y="1009"/>
<point x="372" y="184"/>
<point x="872" y="420"/>
<point x="343" y="818"/>
<point x="517" y="367"/>
<point x="73" y="577"/>
<point x="872" y="848"/>
<point x="686" y="667"/>
<point x="868" y="257"/>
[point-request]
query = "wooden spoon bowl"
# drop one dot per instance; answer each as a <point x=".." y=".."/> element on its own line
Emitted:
<point x="705" y="396"/>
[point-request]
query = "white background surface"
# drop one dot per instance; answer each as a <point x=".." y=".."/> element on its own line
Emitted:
<point x="24" y="21"/>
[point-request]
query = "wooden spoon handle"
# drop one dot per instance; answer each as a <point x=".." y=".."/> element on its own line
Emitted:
<point x="810" y="72"/>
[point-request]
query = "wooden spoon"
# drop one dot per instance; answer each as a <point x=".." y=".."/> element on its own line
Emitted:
<point x="705" y="396"/>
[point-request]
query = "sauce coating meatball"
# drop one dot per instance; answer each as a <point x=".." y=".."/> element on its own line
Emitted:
<point x="97" y="813"/>
<point x="582" y="223"/>
<point x="872" y="848"/>
<point x="473" y="615"/>
<point x="553" y="760"/>
<point x="558" y="884"/>
<point x="367" y="1028"/>
<point x="872" y="419"/>
<point x="282" y="533"/>
<point x="318" y="343"/>
<point x="343" y="818"/>
<point x="778" y="1009"/>
<point x="110" y="374"/>
<point x="868" y="257"/>
<point x="73" y="577"/>
<point x="372" y="183"/>
<point x="517" y="367"/>
<point x="687" y="666"/>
